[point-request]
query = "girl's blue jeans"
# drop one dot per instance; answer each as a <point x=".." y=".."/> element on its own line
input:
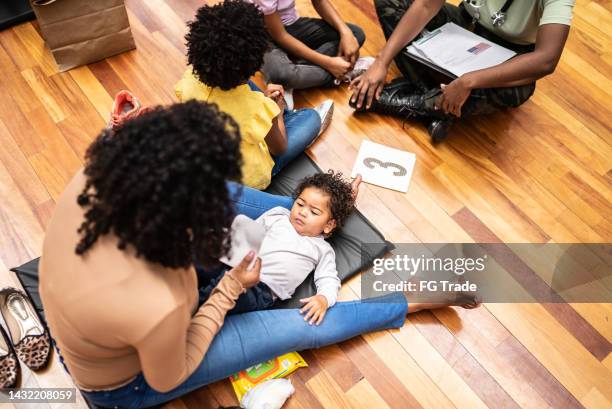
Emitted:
<point x="302" y="127"/>
<point x="250" y="338"/>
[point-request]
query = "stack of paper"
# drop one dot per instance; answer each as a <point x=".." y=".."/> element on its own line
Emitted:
<point x="455" y="51"/>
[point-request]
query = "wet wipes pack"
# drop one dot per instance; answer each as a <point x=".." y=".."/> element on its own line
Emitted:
<point x="279" y="367"/>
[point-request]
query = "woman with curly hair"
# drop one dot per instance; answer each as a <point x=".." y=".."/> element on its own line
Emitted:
<point x="117" y="280"/>
<point x="225" y="47"/>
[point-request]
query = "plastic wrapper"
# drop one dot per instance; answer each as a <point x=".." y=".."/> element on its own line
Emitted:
<point x="271" y="394"/>
<point x="278" y="367"/>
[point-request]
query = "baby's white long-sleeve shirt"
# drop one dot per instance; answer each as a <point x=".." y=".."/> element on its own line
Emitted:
<point x="288" y="257"/>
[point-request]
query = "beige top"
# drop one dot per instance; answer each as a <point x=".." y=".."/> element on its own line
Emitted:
<point x="524" y="17"/>
<point x="114" y="315"/>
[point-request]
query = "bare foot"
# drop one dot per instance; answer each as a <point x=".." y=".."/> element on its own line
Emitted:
<point x="465" y="301"/>
<point x="468" y="301"/>
<point x="355" y="186"/>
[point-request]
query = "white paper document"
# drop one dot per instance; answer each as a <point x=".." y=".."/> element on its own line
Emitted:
<point x="457" y="50"/>
<point x="246" y="235"/>
<point x="384" y="166"/>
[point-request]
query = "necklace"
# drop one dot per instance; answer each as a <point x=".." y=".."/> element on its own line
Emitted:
<point x="498" y="18"/>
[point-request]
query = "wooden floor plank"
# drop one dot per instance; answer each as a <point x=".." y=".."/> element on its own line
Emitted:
<point x="590" y="338"/>
<point x="364" y="396"/>
<point x="93" y="90"/>
<point x="539" y="173"/>
<point x="18" y="167"/>
<point x="442" y="374"/>
<point x="327" y="391"/>
<point x="396" y="392"/>
<point x="502" y="369"/>
<point x="339" y="366"/>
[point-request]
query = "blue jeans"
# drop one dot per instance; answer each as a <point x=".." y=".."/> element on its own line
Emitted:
<point x="252" y="202"/>
<point x="302" y="127"/>
<point x="250" y="338"/>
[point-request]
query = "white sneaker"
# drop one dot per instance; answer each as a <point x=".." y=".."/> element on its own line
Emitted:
<point x="325" y="111"/>
<point x="289" y="99"/>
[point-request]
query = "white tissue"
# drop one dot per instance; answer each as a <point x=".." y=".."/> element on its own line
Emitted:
<point x="270" y="394"/>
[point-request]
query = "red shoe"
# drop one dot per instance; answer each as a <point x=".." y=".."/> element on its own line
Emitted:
<point x="125" y="106"/>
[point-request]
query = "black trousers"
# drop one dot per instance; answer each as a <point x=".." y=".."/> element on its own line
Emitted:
<point x="257" y="298"/>
<point x="481" y="101"/>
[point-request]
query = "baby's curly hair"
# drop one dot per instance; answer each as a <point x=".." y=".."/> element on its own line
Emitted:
<point x="226" y="43"/>
<point x="339" y="190"/>
<point x="159" y="184"/>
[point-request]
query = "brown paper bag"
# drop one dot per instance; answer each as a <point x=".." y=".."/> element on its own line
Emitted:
<point x="80" y="32"/>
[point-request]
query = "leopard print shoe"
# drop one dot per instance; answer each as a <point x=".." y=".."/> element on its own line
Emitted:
<point x="9" y="366"/>
<point x="26" y="332"/>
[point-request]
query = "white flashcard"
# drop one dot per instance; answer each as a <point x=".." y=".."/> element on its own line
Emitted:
<point x="384" y="166"/>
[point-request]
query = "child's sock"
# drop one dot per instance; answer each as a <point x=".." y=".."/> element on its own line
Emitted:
<point x="325" y="111"/>
<point x="289" y="99"/>
<point x="361" y="66"/>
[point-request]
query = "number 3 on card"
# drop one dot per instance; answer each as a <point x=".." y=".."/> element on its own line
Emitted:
<point x="373" y="162"/>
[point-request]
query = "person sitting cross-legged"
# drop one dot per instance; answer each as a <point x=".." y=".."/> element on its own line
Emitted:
<point x="226" y="43"/>
<point x="536" y="30"/>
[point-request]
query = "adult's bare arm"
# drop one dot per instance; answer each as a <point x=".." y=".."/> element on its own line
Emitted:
<point x="369" y="85"/>
<point x="348" y="48"/>
<point x="521" y="70"/>
<point x="276" y="139"/>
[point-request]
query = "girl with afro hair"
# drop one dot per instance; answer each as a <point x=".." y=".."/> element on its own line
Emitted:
<point x="226" y="44"/>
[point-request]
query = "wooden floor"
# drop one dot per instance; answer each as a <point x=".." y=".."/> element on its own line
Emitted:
<point x="540" y="173"/>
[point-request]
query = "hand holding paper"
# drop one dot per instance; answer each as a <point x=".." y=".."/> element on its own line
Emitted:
<point x="246" y="235"/>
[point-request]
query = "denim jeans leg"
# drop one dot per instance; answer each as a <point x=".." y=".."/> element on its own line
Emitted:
<point x="253" y="86"/>
<point x="302" y="127"/>
<point x="252" y="338"/>
<point x="252" y="202"/>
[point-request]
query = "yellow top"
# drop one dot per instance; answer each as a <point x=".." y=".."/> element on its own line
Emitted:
<point x="252" y="111"/>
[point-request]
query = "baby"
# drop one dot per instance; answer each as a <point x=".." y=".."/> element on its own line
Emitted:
<point x="294" y="245"/>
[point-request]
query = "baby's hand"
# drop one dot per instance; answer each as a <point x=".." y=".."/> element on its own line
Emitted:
<point x="316" y="307"/>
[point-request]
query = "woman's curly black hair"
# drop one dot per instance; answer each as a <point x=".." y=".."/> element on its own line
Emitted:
<point x="226" y="43"/>
<point x="339" y="190"/>
<point x="159" y="184"/>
